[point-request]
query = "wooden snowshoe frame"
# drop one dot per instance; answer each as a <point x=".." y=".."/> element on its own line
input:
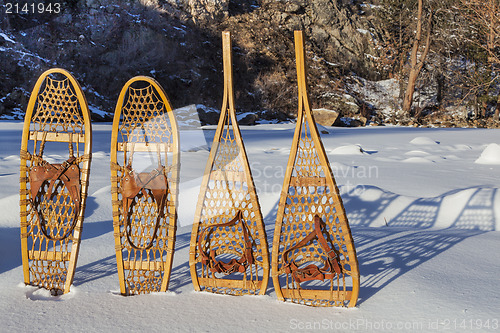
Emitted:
<point x="53" y="195"/>
<point x="309" y="190"/>
<point x="144" y="203"/>
<point x="227" y="199"/>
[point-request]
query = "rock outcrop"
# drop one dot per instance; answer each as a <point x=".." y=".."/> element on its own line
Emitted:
<point x="106" y="42"/>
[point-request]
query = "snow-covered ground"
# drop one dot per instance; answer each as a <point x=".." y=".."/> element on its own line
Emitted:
<point x="424" y="208"/>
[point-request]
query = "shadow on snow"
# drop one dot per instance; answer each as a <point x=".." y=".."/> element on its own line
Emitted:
<point x="419" y="230"/>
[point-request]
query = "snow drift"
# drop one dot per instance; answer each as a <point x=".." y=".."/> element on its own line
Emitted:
<point x="426" y="236"/>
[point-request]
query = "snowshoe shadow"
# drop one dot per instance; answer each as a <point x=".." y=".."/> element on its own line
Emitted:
<point x="96" y="229"/>
<point x="95" y="270"/>
<point x="385" y="254"/>
<point x="10" y="243"/>
<point x="408" y="240"/>
<point x="179" y="277"/>
<point x="468" y="208"/>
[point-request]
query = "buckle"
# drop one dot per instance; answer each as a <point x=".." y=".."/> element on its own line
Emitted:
<point x="65" y="164"/>
<point x="155" y="173"/>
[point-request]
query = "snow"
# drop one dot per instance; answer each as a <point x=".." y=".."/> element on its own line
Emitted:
<point x="7" y="38"/>
<point x="25" y="56"/>
<point x="417" y="153"/>
<point x="490" y="155"/>
<point x="383" y="94"/>
<point x="179" y="29"/>
<point x="98" y="111"/>
<point x="243" y="115"/>
<point x="426" y="235"/>
<point x="347" y="150"/>
<point x="422" y="140"/>
<point x="417" y="160"/>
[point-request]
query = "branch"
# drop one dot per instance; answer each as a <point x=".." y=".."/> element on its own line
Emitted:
<point x="427" y="41"/>
<point x="477" y="87"/>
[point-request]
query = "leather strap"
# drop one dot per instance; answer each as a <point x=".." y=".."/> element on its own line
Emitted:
<point x="134" y="183"/>
<point x="69" y="173"/>
<point x="312" y="271"/>
<point x="217" y="266"/>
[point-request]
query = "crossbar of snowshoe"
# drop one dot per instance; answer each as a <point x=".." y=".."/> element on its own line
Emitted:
<point x="335" y="295"/>
<point x="57" y="136"/>
<point x="227" y="175"/>
<point x="308" y="181"/>
<point x="228" y="283"/>
<point x="39" y="255"/>
<point x="146" y="147"/>
<point x="144" y="265"/>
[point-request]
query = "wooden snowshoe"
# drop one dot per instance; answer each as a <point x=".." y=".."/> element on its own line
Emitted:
<point x="313" y="257"/>
<point x="53" y="194"/>
<point x="144" y="201"/>
<point x="228" y="249"/>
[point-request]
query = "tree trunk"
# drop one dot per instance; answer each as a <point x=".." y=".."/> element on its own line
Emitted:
<point x="440" y="81"/>
<point x="415" y="63"/>
<point x="410" y="91"/>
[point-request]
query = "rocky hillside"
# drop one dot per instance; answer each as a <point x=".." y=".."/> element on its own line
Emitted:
<point x="178" y="42"/>
<point x="106" y="42"/>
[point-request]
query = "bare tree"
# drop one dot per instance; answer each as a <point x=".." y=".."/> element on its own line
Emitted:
<point x="416" y="62"/>
<point x="484" y="17"/>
